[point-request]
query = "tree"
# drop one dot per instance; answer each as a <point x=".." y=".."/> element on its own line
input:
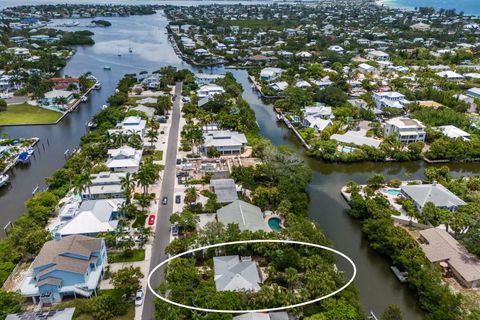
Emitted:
<point x="392" y="312"/>
<point x="376" y="181"/>
<point x="10" y="302"/>
<point x="267" y="198"/>
<point x="128" y="184"/>
<point x="152" y="136"/>
<point x="190" y="196"/>
<point x="84" y="182"/>
<point x="127" y="280"/>
<point x="186" y="220"/>
<point x="3" y="105"/>
<point x="434" y="215"/>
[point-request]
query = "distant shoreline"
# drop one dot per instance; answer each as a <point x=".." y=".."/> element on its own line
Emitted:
<point x="397" y="4"/>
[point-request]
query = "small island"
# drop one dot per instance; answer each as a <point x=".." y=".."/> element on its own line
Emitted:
<point x="101" y="23"/>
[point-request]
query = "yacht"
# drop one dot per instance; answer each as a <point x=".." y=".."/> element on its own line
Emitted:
<point x="4" y="179"/>
<point x="97" y="85"/>
<point x="84" y="99"/>
<point x="107" y="68"/>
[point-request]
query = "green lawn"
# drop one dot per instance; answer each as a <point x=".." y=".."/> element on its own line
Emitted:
<point x="137" y="255"/>
<point x="27" y="114"/>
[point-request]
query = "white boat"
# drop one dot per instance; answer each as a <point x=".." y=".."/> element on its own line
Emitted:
<point x="84" y="99"/>
<point x="107" y="68"/>
<point x="279" y="117"/>
<point x="104" y="107"/>
<point x="30" y="150"/>
<point x="4" y="179"/>
<point x="97" y="85"/>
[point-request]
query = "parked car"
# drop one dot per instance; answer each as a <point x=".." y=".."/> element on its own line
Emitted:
<point x="139" y="298"/>
<point x="175" y="229"/>
<point x="178" y="198"/>
<point x="164" y="200"/>
<point x="186" y="99"/>
<point x="179" y="161"/>
<point x="151" y="219"/>
<point x="138" y="239"/>
<point x="126" y="229"/>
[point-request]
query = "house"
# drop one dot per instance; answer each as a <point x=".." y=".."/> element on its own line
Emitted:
<point x="377" y="55"/>
<point x="204" y="78"/>
<point x="319" y="111"/>
<point x="224" y="189"/>
<point x="245" y="215"/>
<point x="440" y="247"/>
<point x="51" y="97"/>
<point x="408" y="130"/>
<point x="261" y="59"/>
<point x="366" y="68"/>
<point x="304" y="55"/>
<point x="269" y="74"/>
<point x="152" y="82"/>
<point x="66" y="83"/>
<point x="70" y="266"/>
<point x="124" y="159"/>
<point x="453" y="132"/>
<point x="356" y="138"/>
<point x="420" y="26"/>
<point x="450" y="75"/>
<point x="233" y="273"/>
<point x="390" y="99"/>
<point x="303" y="84"/>
<point x="133" y="124"/>
<point x="473" y="92"/>
<point x="224" y="141"/>
<point x="104" y="185"/>
<point x="53" y="314"/>
<point x="279" y="86"/>
<point x="337" y="49"/>
<point x="93" y="217"/>
<point x="200" y="52"/>
<point x="209" y="90"/>
<point x="263" y="316"/>
<point x="316" y="123"/>
<point x="436" y="193"/>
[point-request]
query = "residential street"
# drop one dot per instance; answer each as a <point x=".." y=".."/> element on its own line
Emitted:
<point x="162" y="225"/>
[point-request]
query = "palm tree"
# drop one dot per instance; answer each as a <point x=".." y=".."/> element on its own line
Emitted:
<point x="145" y="176"/>
<point x="128" y="184"/>
<point x="152" y="136"/>
<point x="84" y="183"/>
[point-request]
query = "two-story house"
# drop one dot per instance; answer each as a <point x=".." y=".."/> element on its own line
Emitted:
<point x="124" y="159"/>
<point x="104" y="185"/>
<point x="70" y="266"/>
<point x="224" y="141"/>
<point x="408" y="130"/>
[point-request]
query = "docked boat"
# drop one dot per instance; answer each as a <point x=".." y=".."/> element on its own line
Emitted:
<point x="402" y="276"/>
<point x="23" y="157"/>
<point x="279" y="117"/>
<point x="91" y="125"/>
<point x="4" y="179"/>
<point x="30" y="150"/>
<point x="104" y="107"/>
<point x="97" y="85"/>
<point x="84" y="98"/>
<point x="107" y="68"/>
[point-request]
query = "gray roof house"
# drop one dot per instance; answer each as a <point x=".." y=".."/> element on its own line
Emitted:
<point x="93" y="217"/>
<point x="105" y="185"/>
<point x="225" y="189"/>
<point x="263" y="316"/>
<point x="225" y="141"/>
<point x="439" y="246"/>
<point x="60" y="314"/>
<point x="440" y="196"/>
<point x="246" y="215"/>
<point x="234" y="274"/>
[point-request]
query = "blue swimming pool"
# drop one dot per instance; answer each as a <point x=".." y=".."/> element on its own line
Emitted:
<point x="393" y="192"/>
<point x="274" y="224"/>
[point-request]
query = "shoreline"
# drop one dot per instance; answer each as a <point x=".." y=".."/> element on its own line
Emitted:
<point x="392" y="4"/>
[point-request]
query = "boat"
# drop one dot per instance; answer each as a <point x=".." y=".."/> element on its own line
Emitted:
<point x="119" y="54"/>
<point x="23" y="157"/>
<point x="4" y="179"/>
<point x="402" y="276"/>
<point x="130" y="50"/>
<point x="97" y="85"/>
<point x="91" y="125"/>
<point x="107" y="68"/>
<point x="104" y="107"/>
<point x="279" y="117"/>
<point x="84" y="99"/>
<point x="30" y="150"/>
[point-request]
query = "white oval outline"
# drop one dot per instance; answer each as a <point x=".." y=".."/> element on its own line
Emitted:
<point x="252" y="241"/>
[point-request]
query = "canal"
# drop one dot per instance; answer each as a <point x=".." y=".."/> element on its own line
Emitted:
<point x="151" y="50"/>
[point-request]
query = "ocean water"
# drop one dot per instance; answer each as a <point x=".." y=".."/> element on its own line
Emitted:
<point x="470" y="7"/>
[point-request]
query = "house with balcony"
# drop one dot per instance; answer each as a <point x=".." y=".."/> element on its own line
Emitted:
<point x="104" y="185"/>
<point x="124" y="159"/>
<point x="408" y="130"/>
<point x="390" y="99"/>
<point x="130" y="125"/>
<point x="209" y="90"/>
<point x="70" y="266"/>
<point x="224" y="141"/>
<point x="66" y="83"/>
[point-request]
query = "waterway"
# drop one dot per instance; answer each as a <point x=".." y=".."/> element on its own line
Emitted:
<point x="151" y="50"/>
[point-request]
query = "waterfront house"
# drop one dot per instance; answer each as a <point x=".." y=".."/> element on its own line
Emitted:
<point x="279" y="86"/>
<point x="53" y="314"/>
<point x="200" y="52"/>
<point x="93" y="217"/>
<point x="263" y="316"/>
<point x="245" y="215"/>
<point x="152" y="82"/>
<point x="356" y="138"/>
<point x="124" y="159"/>
<point x="233" y="273"/>
<point x="130" y="125"/>
<point x="209" y="90"/>
<point x="453" y="132"/>
<point x="390" y="99"/>
<point x="262" y="59"/>
<point x="51" y="97"/>
<point x="408" y="130"/>
<point x="224" y="141"/>
<point x="224" y="189"/>
<point x="66" y="83"/>
<point x="70" y="266"/>
<point x="270" y="74"/>
<point x="316" y="123"/>
<point x="319" y="110"/>
<point x="204" y="78"/>
<point x="440" y="247"/>
<point x="436" y="193"/>
<point x="104" y="185"/>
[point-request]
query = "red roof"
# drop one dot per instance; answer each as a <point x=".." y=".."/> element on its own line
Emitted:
<point x="64" y="80"/>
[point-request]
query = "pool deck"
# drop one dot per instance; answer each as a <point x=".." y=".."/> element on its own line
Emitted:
<point x="274" y="215"/>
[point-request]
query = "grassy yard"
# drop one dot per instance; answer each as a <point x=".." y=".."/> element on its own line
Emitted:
<point x="137" y="255"/>
<point x="27" y="114"/>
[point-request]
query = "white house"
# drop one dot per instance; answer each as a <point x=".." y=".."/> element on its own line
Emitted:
<point x="130" y="125"/>
<point x="378" y="55"/>
<point x="450" y="75"/>
<point x="124" y="159"/>
<point x="409" y="130"/>
<point x="436" y="193"/>
<point x="269" y="74"/>
<point x="279" y="86"/>
<point x="473" y="92"/>
<point x="391" y="99"/>
<point x="224" y="141"/>
<point x="453" y="132"/>
<point x="366" y="68"/>
<point x="200" y="52"/>
<point x="204" y="78"/>
<point x="51" y="96"/>
<point x="209" y="90"/>
<point x="337" y="49"/>
<point x="303" y="84"/>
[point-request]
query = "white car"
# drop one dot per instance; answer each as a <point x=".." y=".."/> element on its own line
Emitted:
<point x="139" y="298"/>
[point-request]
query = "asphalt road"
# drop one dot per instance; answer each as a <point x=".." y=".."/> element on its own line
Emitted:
<point x="162" y="226"/>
